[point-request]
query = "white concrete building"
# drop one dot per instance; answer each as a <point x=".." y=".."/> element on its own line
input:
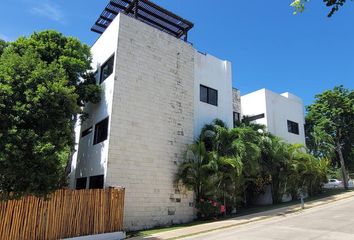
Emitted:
<point x="282" y="114"/>
<point x="157" y="93"/>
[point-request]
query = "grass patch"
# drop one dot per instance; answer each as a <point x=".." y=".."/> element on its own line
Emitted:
<point x="241" y="212"/>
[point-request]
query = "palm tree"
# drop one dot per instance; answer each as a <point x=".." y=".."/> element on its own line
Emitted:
<point x="195" y="170"/>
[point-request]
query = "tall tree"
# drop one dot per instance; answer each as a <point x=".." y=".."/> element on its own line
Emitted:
<point x="44" y="81"/>
<point x="330" y="127"/>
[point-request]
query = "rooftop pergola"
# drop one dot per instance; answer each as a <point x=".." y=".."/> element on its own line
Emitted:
<point x="147" y="12"/>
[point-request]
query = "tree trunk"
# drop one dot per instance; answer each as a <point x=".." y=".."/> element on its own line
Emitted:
<point x="342" y="165"/>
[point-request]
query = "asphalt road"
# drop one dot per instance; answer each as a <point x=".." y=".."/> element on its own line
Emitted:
<point x="334" y="221"/>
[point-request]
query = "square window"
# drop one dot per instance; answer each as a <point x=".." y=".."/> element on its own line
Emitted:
<point x="293" y="127"/>
<point x="101" y="131"/>
<point x="208" y="95"/>
<point x="96" y="182"/>
<point x="107" y="69"/>
<point x="81" y="183"/>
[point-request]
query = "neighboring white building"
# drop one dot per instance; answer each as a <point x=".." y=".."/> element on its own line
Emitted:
<point x="157" y="94"/>
<point x="282" y="114"/>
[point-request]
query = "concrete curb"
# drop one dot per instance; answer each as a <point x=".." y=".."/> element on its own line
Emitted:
<point x="238" y="221"/>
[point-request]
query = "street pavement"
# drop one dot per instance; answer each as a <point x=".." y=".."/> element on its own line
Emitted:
<point x="333" y="221"/>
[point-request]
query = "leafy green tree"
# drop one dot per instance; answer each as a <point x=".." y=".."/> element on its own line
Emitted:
<point x="226" y="158"/>
<point x="3" y="45"/>
<point x="195" y="170"/>
<point x="304" y="171"/>
<point x="299" y="5"/>
<point x="330" y="124"/>
<point x="44" y="82"/>
<point x="274" y="155"/>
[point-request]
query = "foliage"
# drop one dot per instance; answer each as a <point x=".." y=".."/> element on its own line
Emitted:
<point x="299" y="5"/>
<point x="329" y="127"/>
<point x="231" y="165"/>
<point x="3" y="45"/>
<point x="43" y="84"/>
<point x="208" y="208"/>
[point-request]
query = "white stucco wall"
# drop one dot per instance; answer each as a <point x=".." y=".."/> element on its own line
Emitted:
<point x="254" y="104"/>
<point x="278" y="108"/>
<point x="217" y="74"/>
<point x="91" y="160"/>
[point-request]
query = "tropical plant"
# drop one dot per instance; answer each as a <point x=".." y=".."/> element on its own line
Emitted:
<point x="195" y="170"/>
<point x="329" y="127"/>
<point x="44" y="82"/>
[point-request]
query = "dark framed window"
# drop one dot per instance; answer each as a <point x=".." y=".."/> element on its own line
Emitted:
<point x="293" y="127"/>
<point x="107" y="69"/>
<point x="208" y="95"/>
<point x="255" y="117"/>
<point x="96" y="182"/>
<point x="86" y="132"/>
<point x="236" y="117"/>
<point x="101" y="131"/>
<point x="81" y="183"/>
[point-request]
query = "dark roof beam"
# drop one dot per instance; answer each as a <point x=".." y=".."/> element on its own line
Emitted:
<point x="171" y="14"/>
<point x="101" y="25"/>
<point x="145" y="18"/>
<point x="111" y="11"/>
<point x="160" y="18"/>
<point x="96" y="31"/>
<point x="106" y="19"/>
<point x="170" y="31"/>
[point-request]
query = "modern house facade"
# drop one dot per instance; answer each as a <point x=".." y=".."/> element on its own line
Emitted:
<point x="157" y="93"/>
<point x="282" y="114"/>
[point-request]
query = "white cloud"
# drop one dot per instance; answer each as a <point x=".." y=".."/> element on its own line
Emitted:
<point x="48" y="10"/>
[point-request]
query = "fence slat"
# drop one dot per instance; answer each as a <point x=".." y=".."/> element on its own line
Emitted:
<point x="67" y="213"/>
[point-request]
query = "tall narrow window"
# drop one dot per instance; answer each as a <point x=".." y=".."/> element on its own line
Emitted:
<point x="101" y="131"/>
<point x="96" y="182"/>
<point x="81" y="183"/>
<point x="293" y="127"/>
<point x="208" y="95"/>
<point x="107" y="69"/>
<point x="237" y="119"/>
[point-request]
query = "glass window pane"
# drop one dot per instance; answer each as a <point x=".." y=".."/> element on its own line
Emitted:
<point x="96" y="182"/>
<point x="107" y="69"/>
<point x="203" y="94"/>
<point x="213" y="97"/>
<point x="81" y="183"/>
<point x="101" y="131"/>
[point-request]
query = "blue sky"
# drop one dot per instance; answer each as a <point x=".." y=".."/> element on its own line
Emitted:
<point x="268" y="46"/>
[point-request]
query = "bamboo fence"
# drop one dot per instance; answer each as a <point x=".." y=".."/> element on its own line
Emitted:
<point x="67" y="213"/>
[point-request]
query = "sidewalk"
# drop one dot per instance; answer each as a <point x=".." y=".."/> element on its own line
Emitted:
<point x="207" y="227"/>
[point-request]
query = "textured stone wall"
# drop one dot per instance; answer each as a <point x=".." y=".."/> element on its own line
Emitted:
<point x="236" y="100"/>
<point x="151" y="124"/>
